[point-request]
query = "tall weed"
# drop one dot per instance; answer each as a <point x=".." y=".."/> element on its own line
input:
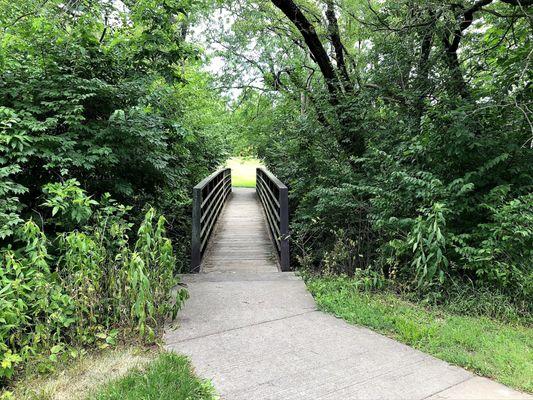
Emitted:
<point x="83" y="286"/>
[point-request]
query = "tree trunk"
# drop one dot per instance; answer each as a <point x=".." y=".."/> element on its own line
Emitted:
<point x="349" y="138"/>
<point x="300" y="21"/>
<point x="333" y="29"/>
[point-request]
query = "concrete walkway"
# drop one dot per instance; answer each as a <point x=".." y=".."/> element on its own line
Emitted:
<point x="256" y="333"/>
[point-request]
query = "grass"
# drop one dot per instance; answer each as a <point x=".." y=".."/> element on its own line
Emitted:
<point x="121" y="373"/>
<point x="169" y="377"/>
<point x="498" y="350"/>
<point x="243" y="171"/>
<point x="76" y="379"/>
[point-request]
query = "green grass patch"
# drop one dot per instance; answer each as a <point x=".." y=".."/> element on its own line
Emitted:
<point x="169" y="377"/>
<point x="243" y="171"/>
<point x="498" y="350"/>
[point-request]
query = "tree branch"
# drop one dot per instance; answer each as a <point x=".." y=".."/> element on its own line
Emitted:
<point x="300" y="21"/>
<point x="333" y="29"/>
<point x="518" y="2"/>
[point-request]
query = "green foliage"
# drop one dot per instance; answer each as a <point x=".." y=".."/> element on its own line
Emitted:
<point x="98" y="101"/>
<point x="35" y="309"/>
<point x="69" y="202"/>
<point x="151" y="275"/>
<point x="442" y="193"/>
<point x="503" y="249"/>
<point x="83" y="286"/>
<point x="429" y="246"/>
<point x="112" y="97"/>
<point x="14" y="150"/>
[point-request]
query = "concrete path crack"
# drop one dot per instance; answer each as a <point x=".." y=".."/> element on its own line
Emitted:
<point x="240" y="327"/>
<point x="449" y="387"/>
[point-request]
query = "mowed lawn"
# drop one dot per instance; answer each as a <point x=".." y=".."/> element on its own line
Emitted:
<point x="169" y="377"/>
<point x="134" y="373"/>
<point x="243" y="171"/>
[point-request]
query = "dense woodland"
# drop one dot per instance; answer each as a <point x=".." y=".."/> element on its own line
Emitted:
<point x="403" y="129"/>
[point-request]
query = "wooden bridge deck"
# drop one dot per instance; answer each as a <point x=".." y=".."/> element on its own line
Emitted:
<point x="240" y="242"/>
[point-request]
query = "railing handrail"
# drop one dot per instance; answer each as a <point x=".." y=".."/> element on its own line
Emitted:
<point x="209" y="178"/>
<point x="275" y="203"/>
<point x="273" y="178"/>
<point x="207" y="205"/>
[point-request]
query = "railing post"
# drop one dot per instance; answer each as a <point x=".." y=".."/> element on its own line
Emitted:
<point x="228" y="171"/>
<point x="196" y="243"/>
<point x="284" y="228"/>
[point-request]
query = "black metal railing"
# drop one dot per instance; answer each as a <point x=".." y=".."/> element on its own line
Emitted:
<point x="209" y="197"/>
<point x="274" y="198"/>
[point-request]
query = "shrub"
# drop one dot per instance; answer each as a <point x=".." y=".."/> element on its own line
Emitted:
<point x="35" y="311"/>
<point x="429" y="247"/>
<point x="83" y="286"/>
<point x="501" y="251"/>
<point x="428" y="208"/>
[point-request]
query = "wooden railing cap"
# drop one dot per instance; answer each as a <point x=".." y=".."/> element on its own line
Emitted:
<point x="204" y="182"/>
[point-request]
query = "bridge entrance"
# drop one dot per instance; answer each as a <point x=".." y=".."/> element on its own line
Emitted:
<point x="240" y="229"/>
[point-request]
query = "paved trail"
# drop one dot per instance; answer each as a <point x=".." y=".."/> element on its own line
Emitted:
<point x="256" y="332"/>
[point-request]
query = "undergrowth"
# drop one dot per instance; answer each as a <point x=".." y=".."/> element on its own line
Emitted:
<point x="87" y="284"/>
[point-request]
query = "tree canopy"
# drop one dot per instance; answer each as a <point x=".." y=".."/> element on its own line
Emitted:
<point x="403" y="129"/>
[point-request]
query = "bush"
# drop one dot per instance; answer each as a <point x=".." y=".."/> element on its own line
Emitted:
<point x="90" y="107"/>
<point x="429" y="208"/>
<point x="501" y="251"/>
<point x="84" y="286"/>
<point x="115" y="113"/>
